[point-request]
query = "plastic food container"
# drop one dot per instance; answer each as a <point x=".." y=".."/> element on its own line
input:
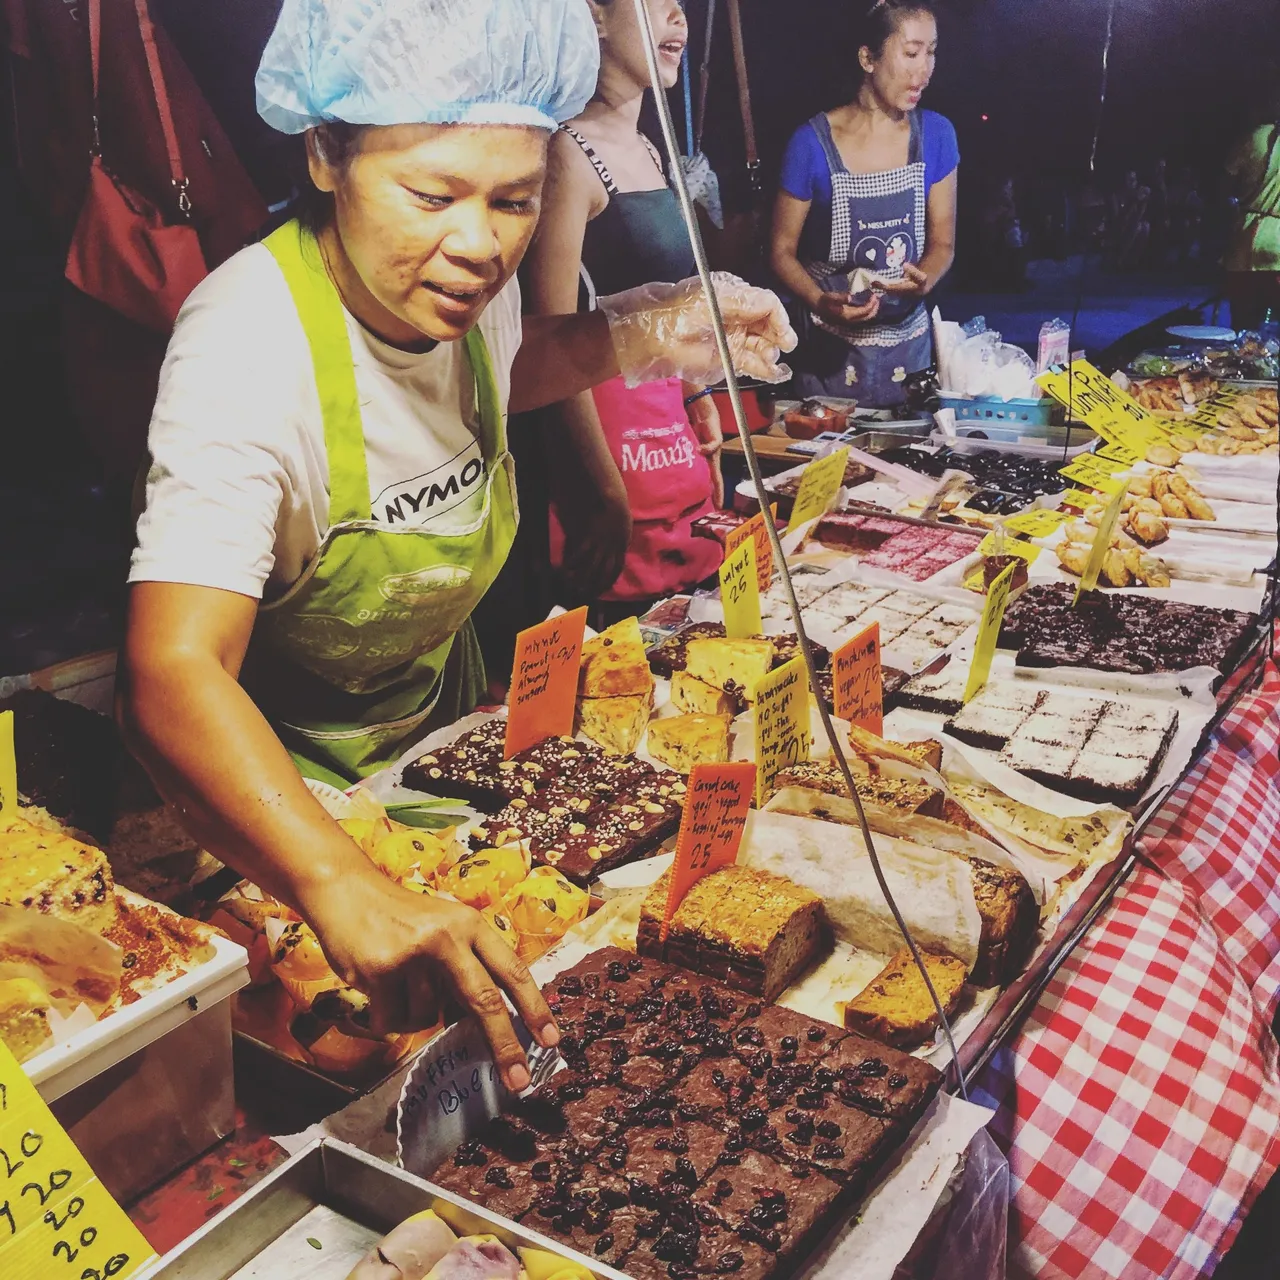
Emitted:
<point x="148" y="1088"/>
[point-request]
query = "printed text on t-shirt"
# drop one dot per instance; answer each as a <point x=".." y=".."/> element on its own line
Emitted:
<point x="421" y="499"/>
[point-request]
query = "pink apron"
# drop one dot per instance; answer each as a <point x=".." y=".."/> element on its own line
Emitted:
<point x="668" y="485"/>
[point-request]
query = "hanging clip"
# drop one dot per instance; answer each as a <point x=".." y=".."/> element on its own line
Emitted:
<point x="95" y="147"/>
<point x="184" y="200"/>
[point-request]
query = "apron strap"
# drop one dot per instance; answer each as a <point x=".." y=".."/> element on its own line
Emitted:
<point x="493" y="431"/>
<point x="915" y="145"/>
<point x="323" y="320"/>
<point x="822" y="127"/>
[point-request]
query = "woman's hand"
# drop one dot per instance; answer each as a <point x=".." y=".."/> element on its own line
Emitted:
<point x="914" y="283"/>
<point x="414" y="956"/>
<point x="597" y="533"/>
<point x="704" y="418"/>
<point x="836" y="308"/>
<point x="664" y="331"/>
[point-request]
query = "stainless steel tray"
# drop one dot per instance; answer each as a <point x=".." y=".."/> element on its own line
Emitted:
<point x="344" y="1201"/>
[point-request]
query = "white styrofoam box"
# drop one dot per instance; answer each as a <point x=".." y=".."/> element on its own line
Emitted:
<point x="63" y="1067"/>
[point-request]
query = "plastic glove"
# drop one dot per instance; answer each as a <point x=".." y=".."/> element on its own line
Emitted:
<point x="664" y="331"/>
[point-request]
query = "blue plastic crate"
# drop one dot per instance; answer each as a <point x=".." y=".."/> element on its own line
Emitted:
<point x="1044" y="412"/>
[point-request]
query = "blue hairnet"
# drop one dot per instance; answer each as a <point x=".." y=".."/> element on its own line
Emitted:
<point x="525" y="62"/>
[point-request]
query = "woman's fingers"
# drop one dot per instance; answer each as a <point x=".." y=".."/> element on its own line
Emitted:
<point x="514" y="977"/>
<point x="859" y="315"/>
<point x="422" y="999"/>
<point x="389" y="1006"/>
<point x="478" y="991"/>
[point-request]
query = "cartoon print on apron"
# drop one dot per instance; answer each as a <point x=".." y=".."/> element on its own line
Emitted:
<point x="352" y="660"/>
<point x="877" y="224"/>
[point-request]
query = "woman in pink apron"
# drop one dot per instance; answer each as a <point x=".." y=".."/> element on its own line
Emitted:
<point x="651" y="453"/>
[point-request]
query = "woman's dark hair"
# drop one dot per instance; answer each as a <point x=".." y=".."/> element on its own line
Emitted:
<point x="337" y="142"/>
<point x="884" y="18"/>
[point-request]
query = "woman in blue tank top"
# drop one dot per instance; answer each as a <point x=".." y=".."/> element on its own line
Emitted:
<point x="870" y="186"/>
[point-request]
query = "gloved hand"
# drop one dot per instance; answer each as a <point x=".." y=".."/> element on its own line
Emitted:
<point x="664" y="331"/>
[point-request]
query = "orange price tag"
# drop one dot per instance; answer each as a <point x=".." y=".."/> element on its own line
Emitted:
<point x="544" y="680"/>
<point x="859" y="682"/>
<point x="755" y="528"/>
<point x="715" y="814"/>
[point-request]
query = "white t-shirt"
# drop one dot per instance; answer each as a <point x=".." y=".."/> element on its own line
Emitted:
<point x="237" y="495"/>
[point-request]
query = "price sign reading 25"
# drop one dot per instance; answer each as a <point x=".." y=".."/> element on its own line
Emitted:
<point x="56" y="1218"/>
<point x="715" y="815"/>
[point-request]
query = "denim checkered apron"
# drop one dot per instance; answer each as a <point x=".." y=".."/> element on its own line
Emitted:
<point x="877" y="223"/>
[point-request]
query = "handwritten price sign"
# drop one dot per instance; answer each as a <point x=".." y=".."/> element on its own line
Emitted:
<point x="756" y="531"/>
<point x="56" y="1219"/>
<point x="1091" y="396"/>
<point x="715" y="814"/>
<point x="859" y="681"/>
<point x="782" y="724"/>
<point x="1101" y="545"/>
<point x="8" y="766"/>
<point x="984" y="650"/>
<point x="1036" y="524"/>
<point x="740" y="592"/>
<point x="544" y="680"/>
<point x="1098" y="473"/>
<point x="819" y="484"/>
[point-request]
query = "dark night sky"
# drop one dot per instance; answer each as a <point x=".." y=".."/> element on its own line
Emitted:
<point x="1185" y="77"/>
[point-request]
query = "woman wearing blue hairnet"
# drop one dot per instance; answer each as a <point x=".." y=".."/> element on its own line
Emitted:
<point x="330" y="492"/>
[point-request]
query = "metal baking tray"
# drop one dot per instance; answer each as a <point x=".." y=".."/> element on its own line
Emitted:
<point x="344" y="1201"/>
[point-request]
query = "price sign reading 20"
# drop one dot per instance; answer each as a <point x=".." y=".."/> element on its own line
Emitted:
<point x="56" y="1218"/>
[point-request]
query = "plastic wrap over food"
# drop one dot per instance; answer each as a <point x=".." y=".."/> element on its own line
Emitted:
<point x="72" y="964"/>
<point x="934" y="890"/>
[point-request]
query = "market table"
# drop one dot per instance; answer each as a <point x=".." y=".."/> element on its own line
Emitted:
<point x="1139" y="1105"/>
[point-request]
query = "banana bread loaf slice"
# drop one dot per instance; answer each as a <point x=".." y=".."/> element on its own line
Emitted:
<point x="751" y="929"/>
<point x="896" y="1007"/>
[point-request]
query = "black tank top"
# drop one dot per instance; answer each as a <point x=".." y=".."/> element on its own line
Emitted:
<point x="640" y="237"/>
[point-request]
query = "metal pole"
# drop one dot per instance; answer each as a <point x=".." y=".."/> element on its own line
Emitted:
<point x="757" y="479"/>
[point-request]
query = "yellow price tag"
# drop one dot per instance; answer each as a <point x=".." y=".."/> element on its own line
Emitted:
<point x="54" y="1214"/>
<point x="8" y="766"/>
<point x="984" y="651"/>
<point x="994" y="545"/>
<point x="740" y="592"/>
<point x="819" y="484"/>
<point x="1101" y="545"/>
<point x="1121" y="453"/>
<point x="1036" y="524"/>
<point x="1090" y="396"/>
<point x="782" y="724"/>
<point x="1081" y="498"/>
<point x="1097" y="473"/>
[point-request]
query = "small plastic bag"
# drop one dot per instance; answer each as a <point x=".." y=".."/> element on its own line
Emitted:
<point x="974" y="1242"/>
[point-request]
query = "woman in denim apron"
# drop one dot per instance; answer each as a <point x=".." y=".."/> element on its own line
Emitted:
<point x="331" y="492"/>
<point x="870" y="188"/>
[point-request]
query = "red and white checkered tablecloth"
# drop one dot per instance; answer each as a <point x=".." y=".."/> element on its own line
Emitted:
<point x="1140" y="1103"/>
<point x="1219" y="833"/>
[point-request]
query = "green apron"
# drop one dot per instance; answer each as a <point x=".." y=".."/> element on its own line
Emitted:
<point x="374" y="640"/>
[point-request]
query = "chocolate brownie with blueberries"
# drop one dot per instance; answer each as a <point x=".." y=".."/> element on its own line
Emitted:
<point x="696" y="1132"/>
<point x="766" y="1201"/>
<point x="882" y="1081"/>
